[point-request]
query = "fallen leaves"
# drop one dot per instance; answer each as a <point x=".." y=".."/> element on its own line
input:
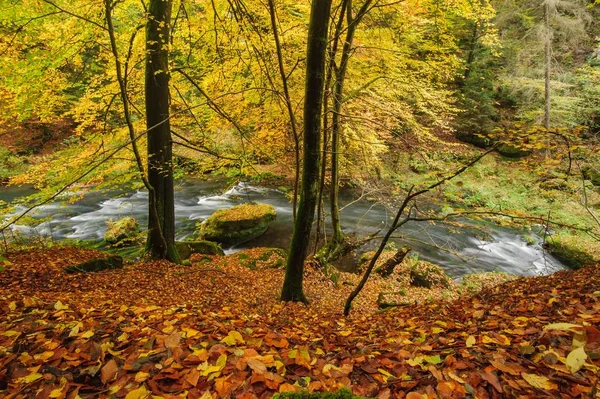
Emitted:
<point x="159" y="330"/>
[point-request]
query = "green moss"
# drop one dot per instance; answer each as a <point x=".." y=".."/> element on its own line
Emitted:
<point x="238" y="224"/>
<point x="473" y="283"/>
<point x="188" y="248"/>
<point x="569" y="251"/>
<point x="269" y="258"/>
<point x="96" y="265"/>
<point x="123" y="231"/>
<point x="343" y="393"/>
<point x="512" y="152"/>
<point x="428" y="275"/>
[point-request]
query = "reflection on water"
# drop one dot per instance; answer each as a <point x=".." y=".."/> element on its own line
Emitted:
<point x="456" y="248"/>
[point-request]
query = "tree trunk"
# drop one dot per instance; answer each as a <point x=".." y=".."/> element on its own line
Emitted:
<point x="389" y="266"/>
<point x="548" y="55"/>
<point x="315" y="81"/>
<point x="161" y="221"/>
<point x="337" y="237"/>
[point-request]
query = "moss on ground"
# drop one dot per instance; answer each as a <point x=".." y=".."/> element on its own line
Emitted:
<point x="343" y="393"/>
<point x="473" y="283"/>
<point x="262" y="258"/>
<point x="188" y="248"/>
<point x="569" y="250"/>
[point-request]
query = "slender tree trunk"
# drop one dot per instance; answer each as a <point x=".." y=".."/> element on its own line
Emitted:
<point x="288" y="103"/>
<point x="313" y="101"/>
<point x="471" y="55"/>
<point x="160" y="152"/>
<point x="337" y="237"/>
<point x="328" y="77"/>
<point x="548" y="55"/>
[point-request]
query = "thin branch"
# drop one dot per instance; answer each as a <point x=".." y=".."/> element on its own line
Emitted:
<point x="398" y="223"/>
<point x="75" y="15"/>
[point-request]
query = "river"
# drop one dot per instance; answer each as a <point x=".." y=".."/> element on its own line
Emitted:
<point x="475" y="246"/>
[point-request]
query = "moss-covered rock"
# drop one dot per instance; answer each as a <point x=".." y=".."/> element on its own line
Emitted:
<point x="478" y="140"/>
<point x="188" y="248"/>
<point x="592" y="174"/>
<point x="557" y="184"/>
<point x="473" y="283"/>
<point x="428" y="275"/>
<point x="568" y="252"/>
<point x="343" y="393"/>
<point x="123" y="231"/>
<point x="97" y="265"/>
<point x="511" y="151"/>
<point x="238" y="224"/>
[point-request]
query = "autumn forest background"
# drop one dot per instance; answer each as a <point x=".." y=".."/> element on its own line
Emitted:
<point x="325" y="198"/>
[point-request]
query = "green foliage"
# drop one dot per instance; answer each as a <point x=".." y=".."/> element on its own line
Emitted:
<point x="10" y="164"/>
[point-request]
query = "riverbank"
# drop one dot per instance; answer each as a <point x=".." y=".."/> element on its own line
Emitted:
<point x="219" y="327"/>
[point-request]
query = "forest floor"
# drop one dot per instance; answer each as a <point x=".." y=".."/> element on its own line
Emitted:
<point x="216" y="329"/>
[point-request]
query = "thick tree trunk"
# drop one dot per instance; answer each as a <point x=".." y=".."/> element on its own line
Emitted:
<point x="315" y="81"/>
<point x="161" y="221"/>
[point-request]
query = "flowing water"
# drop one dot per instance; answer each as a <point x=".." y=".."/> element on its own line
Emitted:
<point x="473" y="246"/>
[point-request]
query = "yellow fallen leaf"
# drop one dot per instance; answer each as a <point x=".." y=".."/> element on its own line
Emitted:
<point x="190" y="332"/>
<point x="30" y="378"/>
<point x="233" y="338"/>
<point x="60" y="306"/>
<point x="140" y="393"/>
<point x="141" y="376"/>
<point x="345" y="333"/>
<point x="471" y="341"/>
<point x="456" y="378"/>
<point x="87" y="334"/>
<point x="44" y="356"/>
<point x="206" y="395"/>
<point x="576" y="360"/>
<point x="562" y="327"/>
<point x="539" y="381"/>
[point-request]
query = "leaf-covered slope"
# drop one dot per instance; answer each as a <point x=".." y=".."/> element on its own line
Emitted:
<point x="218" y="327"/>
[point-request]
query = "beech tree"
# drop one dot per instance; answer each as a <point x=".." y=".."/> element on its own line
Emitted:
<point x="314" y="84"/>
<point x="161" y="219"/>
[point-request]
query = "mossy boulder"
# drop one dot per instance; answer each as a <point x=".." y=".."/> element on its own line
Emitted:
<point x="123" y="231"/>
<point x="343" y="393"/>
<point x="97" y="265"/>
<point x="473" y="283"/>
<point x="592" y="174"/>
<point x="427" y="275"/>
<point x="188" y="248"/>
<point x="568" y="252"/>
<point x="557" y="184"/>
<point x="511" y="151"/>
<point x="238" y="224"/>
<point x="477" y="139"/>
